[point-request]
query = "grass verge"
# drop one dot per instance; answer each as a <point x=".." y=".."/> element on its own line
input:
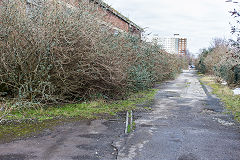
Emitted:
<point x="86" y="110"/>
<point x="49" y="117"/>
<point x="231" y="101"/>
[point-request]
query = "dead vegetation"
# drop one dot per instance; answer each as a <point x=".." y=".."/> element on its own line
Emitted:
<point x="222" y="60"/>
<point x="53" y="52"/>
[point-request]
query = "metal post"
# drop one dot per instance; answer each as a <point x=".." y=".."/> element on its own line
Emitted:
<point x="127" y="117"/>
<point x="131" y="120"/>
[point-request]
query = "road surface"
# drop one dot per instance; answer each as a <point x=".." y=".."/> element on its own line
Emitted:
<point x="187" y="123"/>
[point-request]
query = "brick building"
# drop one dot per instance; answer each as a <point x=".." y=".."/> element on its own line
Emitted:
<point x="114" y="20"/>
<point x="174" y="45"/>
<point x="117" y="21"/>
<point x="182" y="46"/>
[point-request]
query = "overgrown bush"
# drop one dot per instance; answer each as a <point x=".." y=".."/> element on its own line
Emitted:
<point x="229" y="68"/>
<point x="221" y="60"/>
<point x="58" y="52"/>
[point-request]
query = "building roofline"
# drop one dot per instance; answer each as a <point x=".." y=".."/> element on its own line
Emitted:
<point x="115" y="12"/>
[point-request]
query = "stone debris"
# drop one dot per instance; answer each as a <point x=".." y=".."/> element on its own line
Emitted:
<point x="223" y="122"/>
<point x="224" y="83"/>
<point x="236" y="91"/>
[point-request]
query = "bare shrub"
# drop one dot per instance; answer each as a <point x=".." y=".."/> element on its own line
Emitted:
<point x="229" y="68"/>
<point x="58" y="52"/>
<point x="215" y="56"/>
<point x="221" y="60"/>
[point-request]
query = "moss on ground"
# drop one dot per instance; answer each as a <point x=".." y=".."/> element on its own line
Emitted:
<point x="12" y="131"/>
<point x="51" y="116"/>
<point x="86" y="110"/>
<point x="231" y="101"/>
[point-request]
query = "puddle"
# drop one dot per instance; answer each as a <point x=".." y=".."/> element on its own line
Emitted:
<point x="168" y="94"/>
<point x="17" y="130"/>
<point x="146" y="125"/>
<point x="15" y="157"/>
<point x="85" y="157"/>
<point x="188" y="157"/>
<point x="151" y="125"/>
<point x="86" y="147"/>
<point x="183" y="108"/>
<point x="92" y="136"/>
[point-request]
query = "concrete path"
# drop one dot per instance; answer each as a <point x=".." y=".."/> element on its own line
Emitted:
<point x="187" y="123"/>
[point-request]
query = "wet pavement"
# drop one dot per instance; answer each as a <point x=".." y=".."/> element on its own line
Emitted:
<point x="80" y="140"/>
<point x="187" y="123"/>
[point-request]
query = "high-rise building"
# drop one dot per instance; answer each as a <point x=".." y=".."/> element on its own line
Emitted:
<point x="169" y="44"/>
<point x="182" y="46"/>
<point x="174" y="45"/>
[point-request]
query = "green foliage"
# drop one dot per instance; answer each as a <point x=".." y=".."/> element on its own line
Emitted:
<point x="229" y="69"/>
<point x="141" y="77"/>
<point x="236" y="71"/>
<point x="85" y="110"/>
<point x="201" y="66"/>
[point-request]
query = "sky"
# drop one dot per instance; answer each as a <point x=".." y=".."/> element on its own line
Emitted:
<point x="200" y="21"/>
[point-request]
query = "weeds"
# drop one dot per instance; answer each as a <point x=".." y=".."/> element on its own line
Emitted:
<point x="232" y="102"/>
<point x="85" y="110"/>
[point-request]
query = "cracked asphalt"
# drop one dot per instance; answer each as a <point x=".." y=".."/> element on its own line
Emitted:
<point x="187" y="123"/>
<point x="80" y="140"/>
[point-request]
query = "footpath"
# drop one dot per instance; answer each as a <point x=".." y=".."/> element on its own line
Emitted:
<point x="186" y="122"/>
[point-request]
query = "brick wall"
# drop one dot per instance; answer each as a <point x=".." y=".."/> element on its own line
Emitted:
<point x="121" y="24"/>
<point x="116" y="21"/>
<point x="135" y="31"/>
<point x="111" y="18"/>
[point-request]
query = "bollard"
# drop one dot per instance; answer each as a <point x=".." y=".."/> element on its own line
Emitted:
<point x="127" y="121"/>
<point x="131" y="120"/>
<point x="127" y="117"/>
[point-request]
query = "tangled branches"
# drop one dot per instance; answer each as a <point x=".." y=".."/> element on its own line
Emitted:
<point x="56" y="52"/>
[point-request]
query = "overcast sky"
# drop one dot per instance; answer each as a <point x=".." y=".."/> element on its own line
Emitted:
<point x="197" y="20"/>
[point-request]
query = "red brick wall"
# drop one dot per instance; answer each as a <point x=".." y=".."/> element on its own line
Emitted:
<point x="115" y="20"/>
<point x="135" y="31"/>
<point x="110" y="18"/>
